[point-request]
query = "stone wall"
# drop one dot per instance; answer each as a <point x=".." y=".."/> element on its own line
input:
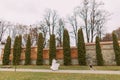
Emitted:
<point x="107" y="51"/>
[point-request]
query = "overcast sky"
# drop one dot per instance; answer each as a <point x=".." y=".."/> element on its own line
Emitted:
<point x="30" y="11"/>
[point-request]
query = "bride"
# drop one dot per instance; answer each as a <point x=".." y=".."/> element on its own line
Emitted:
<point x="54" y="65"/>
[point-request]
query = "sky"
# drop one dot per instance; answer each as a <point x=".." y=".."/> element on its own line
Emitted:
<point x="31" y="11"/>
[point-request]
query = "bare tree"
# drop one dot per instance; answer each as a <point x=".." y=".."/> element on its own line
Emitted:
<point x="44" y="30"/>
<point x="24" y="38"/>
<point x="60" y="32"/>
<point x="51" y="18"/>
<point x="117" y="32"/>
<point x="3" y="27"/>
<point x="33" y="32"/>
<point x="97" y="19"/>
<point x="75" y="26"/>
<point x="83" y="12"/>
<point x="107" y="37"/>
<point x="18" y="29"/>
<point x="100" y="22"/>
<point x="94" y="18"/>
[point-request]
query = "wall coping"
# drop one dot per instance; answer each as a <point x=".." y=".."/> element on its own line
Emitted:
<point x="72" y="47"/>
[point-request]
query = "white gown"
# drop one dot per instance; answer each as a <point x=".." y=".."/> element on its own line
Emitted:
<point x="55" y="65"/>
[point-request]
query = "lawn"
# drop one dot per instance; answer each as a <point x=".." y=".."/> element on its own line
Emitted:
<point x="114" y="68"/>
<point x="54" y="76"/>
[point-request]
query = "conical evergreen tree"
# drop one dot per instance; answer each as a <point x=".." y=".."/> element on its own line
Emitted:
<point x="28" y="51"/>
<point x="99" y="56"/>
<point x="19" y="47"/>
<point x="81" y="48"/>
<point x="52" y="48"/>
<point x="66" y="48"/>
<point x="7" y="51"/>
<point x="40" y="49"/>
<point x="116" y="48"/>
<point x="15" y="51"/>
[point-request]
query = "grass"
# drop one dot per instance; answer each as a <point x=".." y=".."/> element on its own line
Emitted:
<point x="113" y="68"/>
<point x="61" y="67"/>
<point x="54" y="76"/>
<point x="59" y="76"/>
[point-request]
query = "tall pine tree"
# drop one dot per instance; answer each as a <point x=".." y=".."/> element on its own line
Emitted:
<point x="81" y="48"/>
<point x="15" y="51"/>
<point x="99" y="56"/>
<point x="66" y="48"/>
<point x="40" y="43"/>
<point x="28" y="51"/>
<point x="7" y="51"/>
<point x="19" y="47"/>
<point x="52" y="48"/>
<point x="116" y="48"/>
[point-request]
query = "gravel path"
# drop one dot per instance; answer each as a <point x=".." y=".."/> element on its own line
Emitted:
<point x="64" y="71"/>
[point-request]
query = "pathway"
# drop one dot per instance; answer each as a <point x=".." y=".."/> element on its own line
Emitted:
<point x="64" y="71"/>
